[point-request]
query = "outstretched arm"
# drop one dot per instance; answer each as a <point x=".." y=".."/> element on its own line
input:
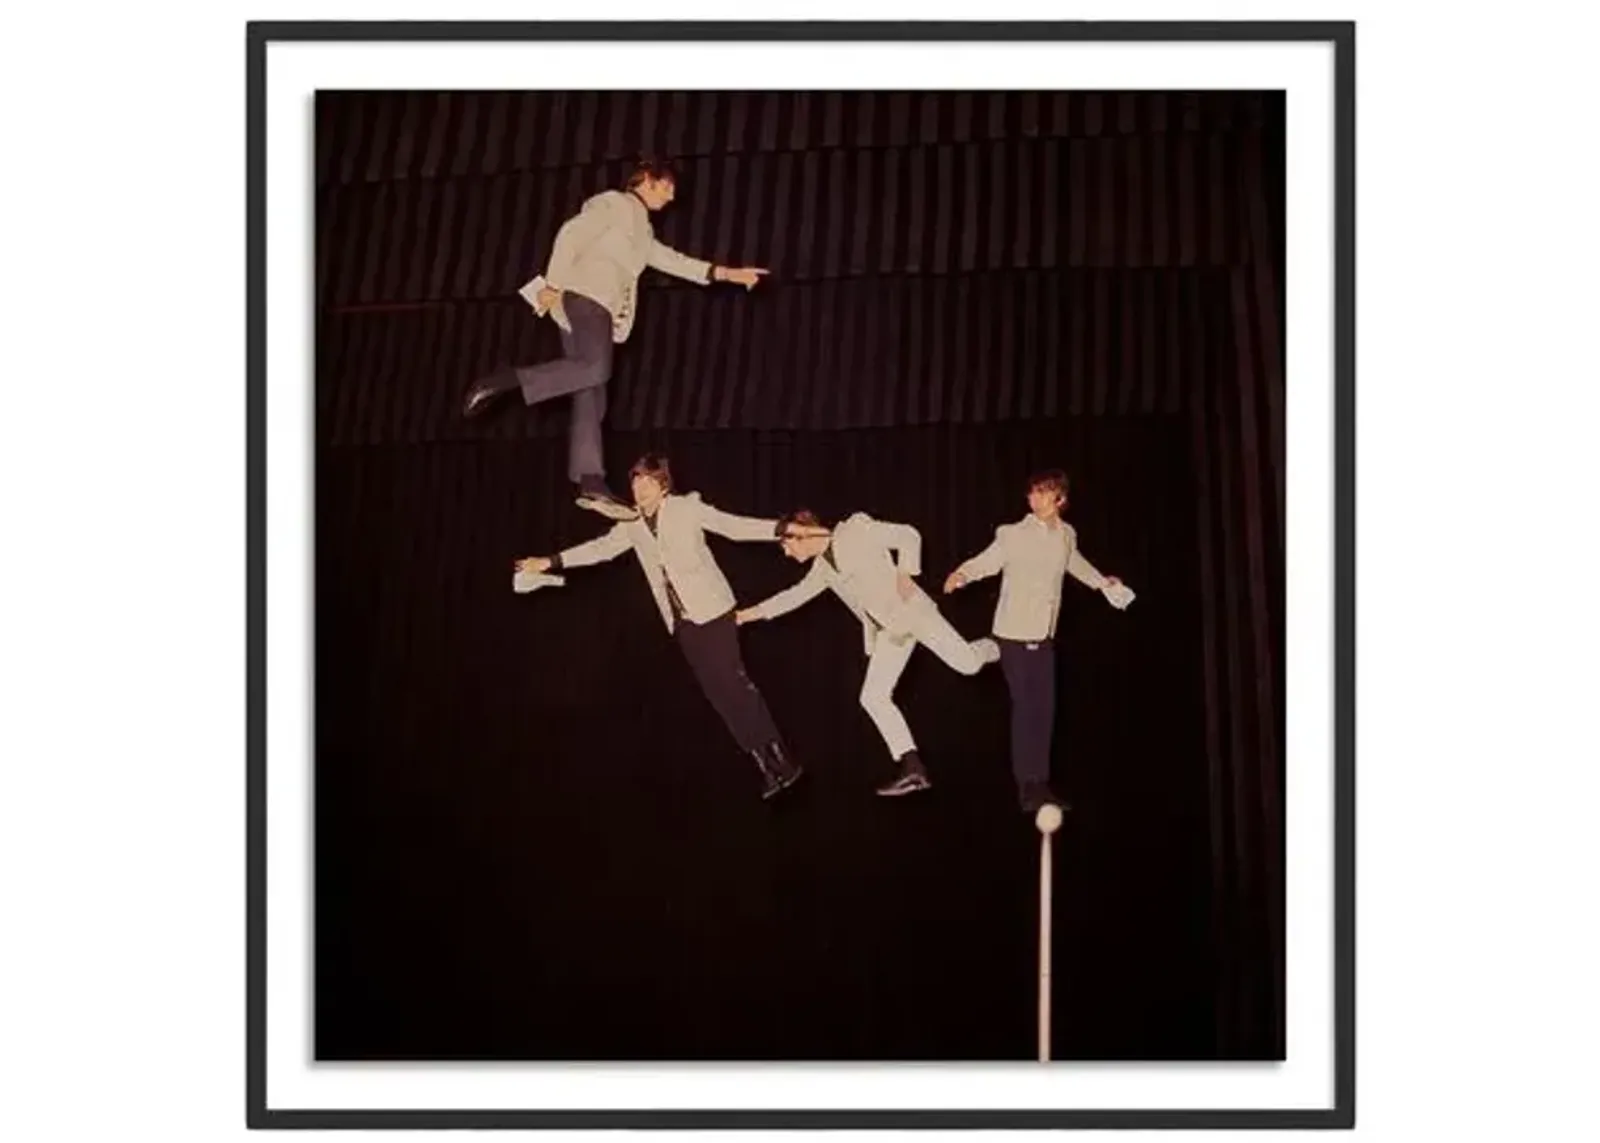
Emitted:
<point x="981" y="566"/>
<point x="596" y="551"/>
<point x="1086" y="573"/>
<point x="664" y="258"/>
<point x="698" y="270"/>
<point x="789" y="598"/>
<point x="736" y="527"/>
<point x="1083" y="571"/>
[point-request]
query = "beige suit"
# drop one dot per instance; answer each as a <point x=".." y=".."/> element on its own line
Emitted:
<point x="1033" y="556"/>
<point x="601" y="251"/>
<point x="867" y="579"/>
<point x="865" y="575"/>
<point x="677" y="551"/>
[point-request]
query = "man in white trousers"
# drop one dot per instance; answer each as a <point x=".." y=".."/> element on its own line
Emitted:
<point x="870" y="565"/>
<point x="590" y="289"/>
<point x="1031" y="556"/>
<point x="668" y="537"/>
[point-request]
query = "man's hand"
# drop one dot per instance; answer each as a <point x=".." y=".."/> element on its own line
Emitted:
<point x="548" y="297"/>
<point x="1116" y="593"/>
<point x="533" y="565"/>
<point x="740" y="618"/>
<point x="746" y="276"/>
<point x="954" y="582"/>
<point x="907" y="586"/>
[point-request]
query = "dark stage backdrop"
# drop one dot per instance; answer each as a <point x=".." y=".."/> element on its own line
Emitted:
<point x="535" y="840"/>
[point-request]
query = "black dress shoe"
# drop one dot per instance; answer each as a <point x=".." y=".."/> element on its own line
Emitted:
<point x="593" y="495"/>
<point x="778" y="770"/>
<point x="787" y="769"/>
<point x="913" y="777"/>
<point x="479" y="398"/>
<point x="771" y="781"/>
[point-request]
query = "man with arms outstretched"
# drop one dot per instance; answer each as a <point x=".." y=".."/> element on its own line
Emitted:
<point x="668" y="536"/>
<point x="1031" y="556"/>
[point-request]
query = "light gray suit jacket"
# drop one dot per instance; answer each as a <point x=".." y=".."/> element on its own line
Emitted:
<point x="601" y="251"/>
<point x="872" y="555"/>
<point x="1032" y="556"/>
<point x="678" y="550"/>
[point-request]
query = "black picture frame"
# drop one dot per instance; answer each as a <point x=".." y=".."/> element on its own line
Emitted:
<point x="1341" y="35"/>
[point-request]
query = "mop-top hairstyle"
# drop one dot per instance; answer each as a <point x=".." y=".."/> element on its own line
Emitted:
<point x="803" y="518"/>
<point x="1052" y="479"/>
<point x="655" y="466"/>
<point x="651" y="170"/>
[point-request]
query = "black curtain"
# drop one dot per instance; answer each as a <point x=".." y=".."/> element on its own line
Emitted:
<point x="533" y="837"/>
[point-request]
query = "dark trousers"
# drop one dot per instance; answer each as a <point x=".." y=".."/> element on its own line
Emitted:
<point x="581" y="372"/>
<point x="713" y="653"/>
<point x="1030" y="670"/>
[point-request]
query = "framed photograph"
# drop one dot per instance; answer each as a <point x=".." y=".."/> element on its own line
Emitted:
<point x="801" y="575"/>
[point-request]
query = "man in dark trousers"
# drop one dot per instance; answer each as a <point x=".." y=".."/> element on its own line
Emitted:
<point x="668" y="536"/>
<point x="1031" y="556"/>
<point x="590" y="289"/>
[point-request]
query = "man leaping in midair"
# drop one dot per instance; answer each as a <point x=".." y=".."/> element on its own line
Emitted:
<point x="854" y="559"/>
<point x="668" y="537"/>
<point x="590" y="289"/>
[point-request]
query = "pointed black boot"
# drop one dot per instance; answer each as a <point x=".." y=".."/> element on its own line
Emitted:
<point x="771" y="782"/>
<point x="783" y="764"/>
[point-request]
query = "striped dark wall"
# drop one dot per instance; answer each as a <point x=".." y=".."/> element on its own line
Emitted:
<point x="952" y="208"/>
<point x="830" y="354"/>
<point x="892" y="224"/>
<point x="384" y="136"/>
